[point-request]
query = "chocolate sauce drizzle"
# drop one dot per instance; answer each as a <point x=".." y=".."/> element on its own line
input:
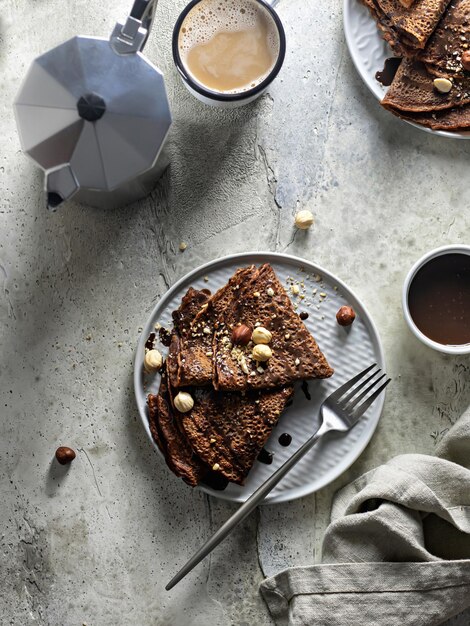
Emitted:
<point x="215" y="481"/>
<point x="304" y="388"/>
<point x="165" y="336"/>
<point x="265" y="456"/>
<point x="149" y="344"/>
<point x="285" y="439"/>
<point x="386" y="76"/>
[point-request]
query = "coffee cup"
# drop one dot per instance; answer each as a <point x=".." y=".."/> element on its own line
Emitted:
<point x="228" y="51"/>
<point x="436" y="299"/>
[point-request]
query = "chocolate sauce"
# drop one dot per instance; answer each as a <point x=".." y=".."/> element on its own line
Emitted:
<point x="265" y="457"/>
<point x="149" y="344"/>
<point x="386" y="76"/>
<point x="304" y="388"/>
<point x="285" y="439"/>
<point x="439" y="299"/>
<point x="165" y="336"/>
<point x="215" y="480"/>
<point x="303" y="315"/>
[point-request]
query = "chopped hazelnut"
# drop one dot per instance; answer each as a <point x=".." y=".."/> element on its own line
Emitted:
<point x="243" y="365"/>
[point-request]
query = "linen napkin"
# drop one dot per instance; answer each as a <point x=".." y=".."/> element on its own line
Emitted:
<point x="397" y="552"/>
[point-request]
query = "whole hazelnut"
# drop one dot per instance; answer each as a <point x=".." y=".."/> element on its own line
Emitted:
<point x="304" y="219"/>
<point x="345" y="316"/>
<point x="241" y="335"/>
<point x="466" y="60"/>
<point x="261" y="335"/>
<point x="262" y="352"/>
<point x="153" y="361"/>
<point x="183" y="402"/>
<point x="64" y="455"/>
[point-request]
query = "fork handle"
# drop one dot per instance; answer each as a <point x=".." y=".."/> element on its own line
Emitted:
<point x="248" y="506"/>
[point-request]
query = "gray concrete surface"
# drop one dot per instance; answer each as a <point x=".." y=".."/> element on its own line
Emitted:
<point x="95" y="543"/>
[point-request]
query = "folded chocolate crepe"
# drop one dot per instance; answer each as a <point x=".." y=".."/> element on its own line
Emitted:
<point x="443" y="53"/>
<point x="171" y="441"/>
<point x="207" y="355"/>
<point x="264" y="302"/>
<point x="413" y="96"/>
<point x="224" y="432"/>
<point x="407" y="29"/>
<point x="228" y="430"/>
<point x="190" y="305"/>
<point x="195" y="352"/>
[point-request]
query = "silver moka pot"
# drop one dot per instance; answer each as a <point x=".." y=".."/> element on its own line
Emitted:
<point x="94" y="114"/>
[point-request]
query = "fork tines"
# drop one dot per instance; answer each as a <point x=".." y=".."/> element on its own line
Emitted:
<point x="348" y="396"/>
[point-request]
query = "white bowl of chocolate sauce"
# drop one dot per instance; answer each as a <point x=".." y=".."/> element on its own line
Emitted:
<point x="436" y="299"/>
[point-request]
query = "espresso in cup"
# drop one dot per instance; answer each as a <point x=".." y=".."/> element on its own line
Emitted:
<point x="228" y="50"/>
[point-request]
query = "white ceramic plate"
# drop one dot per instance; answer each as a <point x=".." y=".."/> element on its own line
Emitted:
<point x="348" y="350"/>
<point x="369" y="51"/>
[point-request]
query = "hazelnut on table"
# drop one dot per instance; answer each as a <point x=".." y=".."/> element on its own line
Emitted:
<point x="304" y="219"/>
<point x="65" y="455"/>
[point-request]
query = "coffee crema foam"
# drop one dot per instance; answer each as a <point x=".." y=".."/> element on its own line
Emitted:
<point x="229" y="46"/>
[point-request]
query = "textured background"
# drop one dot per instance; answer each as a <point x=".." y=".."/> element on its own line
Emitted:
<point x="96" y="544"/>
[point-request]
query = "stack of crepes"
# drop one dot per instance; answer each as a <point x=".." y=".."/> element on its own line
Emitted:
<point x="433" y="38"/>
<point x="237" y="400"/>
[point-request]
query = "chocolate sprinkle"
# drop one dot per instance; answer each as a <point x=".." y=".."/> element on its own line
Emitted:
<point x="285" y="439"/>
